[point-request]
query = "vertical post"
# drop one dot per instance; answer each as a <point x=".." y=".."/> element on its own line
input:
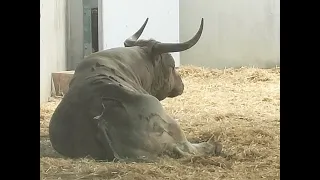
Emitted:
<point x="100" y="25"/>
<point x="87" y="37"/>
<point x="75" y="35"/>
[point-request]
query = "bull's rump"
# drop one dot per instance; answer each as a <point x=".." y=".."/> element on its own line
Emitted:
<point x="73" y="129"/>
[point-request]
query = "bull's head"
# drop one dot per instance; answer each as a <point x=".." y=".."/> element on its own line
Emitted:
<point x="167" y="81"/>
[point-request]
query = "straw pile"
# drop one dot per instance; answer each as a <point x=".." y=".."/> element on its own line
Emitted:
<point x="239" y="106"/>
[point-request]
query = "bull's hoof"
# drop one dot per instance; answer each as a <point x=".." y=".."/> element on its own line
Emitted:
<point x="209" y="148"/>
<point x="218" y="149"/>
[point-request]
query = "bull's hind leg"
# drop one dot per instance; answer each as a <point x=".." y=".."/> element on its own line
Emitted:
<point x="106" y="142"/>
<point x="110" y="133"/>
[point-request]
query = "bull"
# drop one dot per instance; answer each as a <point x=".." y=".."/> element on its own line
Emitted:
<point x="112" y="109"/>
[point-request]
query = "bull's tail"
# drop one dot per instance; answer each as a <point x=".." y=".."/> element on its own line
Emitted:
<point x="103" y="136"/>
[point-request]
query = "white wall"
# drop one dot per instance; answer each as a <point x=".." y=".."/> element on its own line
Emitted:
<point x="236" y="32"/>
<point x="122" y="18"/>
<point x="52" y="42"/>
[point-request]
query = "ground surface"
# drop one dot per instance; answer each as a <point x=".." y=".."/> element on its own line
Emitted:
<point x="240" y="106"/>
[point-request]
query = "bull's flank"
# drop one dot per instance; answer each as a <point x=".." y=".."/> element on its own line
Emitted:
<point x="239" y="106"/>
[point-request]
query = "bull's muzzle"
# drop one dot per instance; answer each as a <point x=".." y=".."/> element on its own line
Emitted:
<point x="176" y="91"/>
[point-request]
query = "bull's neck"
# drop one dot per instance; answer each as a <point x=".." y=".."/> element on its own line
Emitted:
<point x="145" y="74"/>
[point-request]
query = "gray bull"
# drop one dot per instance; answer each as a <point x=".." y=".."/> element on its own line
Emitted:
<point x="112" y="109"/>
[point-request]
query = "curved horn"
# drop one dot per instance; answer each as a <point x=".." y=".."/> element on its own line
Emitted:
<point x="131" y="40"/>
<point x="177" y="47"/>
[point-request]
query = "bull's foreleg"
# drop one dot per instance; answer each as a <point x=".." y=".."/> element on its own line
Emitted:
<point x="183" y="147"/>
<point x="180" y="146"/>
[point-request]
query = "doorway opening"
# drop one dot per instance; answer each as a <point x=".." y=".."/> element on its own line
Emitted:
<point x="90" y="26"/>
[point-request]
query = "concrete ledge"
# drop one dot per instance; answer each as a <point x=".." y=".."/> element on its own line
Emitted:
<point x="61" y="82"/>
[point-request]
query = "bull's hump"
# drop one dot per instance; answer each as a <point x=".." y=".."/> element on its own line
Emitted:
<point x="119" y="53"/>
<point x="119" y="62"/>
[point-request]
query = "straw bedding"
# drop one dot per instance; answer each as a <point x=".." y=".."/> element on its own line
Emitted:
<point x="239" y="106"/>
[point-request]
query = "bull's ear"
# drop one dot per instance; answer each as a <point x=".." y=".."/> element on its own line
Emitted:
<point x="154" y="56"/>
<point x="156" y="59"/>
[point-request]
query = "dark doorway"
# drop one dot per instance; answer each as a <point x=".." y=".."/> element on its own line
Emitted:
<point x="90" y="27"/>
<point x="94" y="29"/>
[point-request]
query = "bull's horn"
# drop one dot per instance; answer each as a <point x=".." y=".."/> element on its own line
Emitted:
<point x="177" y="47"/>
<point x="131" y="40"/>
